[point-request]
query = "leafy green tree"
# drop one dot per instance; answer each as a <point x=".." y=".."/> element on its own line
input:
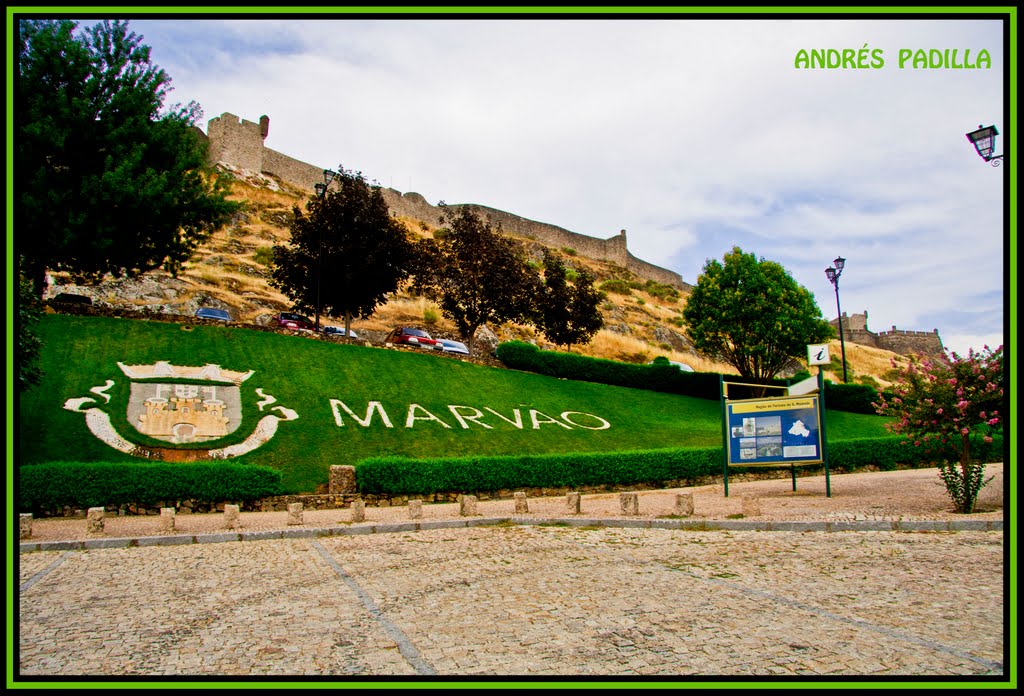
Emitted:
<point x="475" y="274"/>
<point x="29" y="311"/>
<point x="104" y="182"/>
<point x="567" y="313"/>
<point x="346" y="254"/>
<point x="947" y="407"/>
<point x="752" y="315"/>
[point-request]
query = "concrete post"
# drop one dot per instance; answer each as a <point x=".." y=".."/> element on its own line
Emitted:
<point x="467" y="506"/>
<point x="572" y="502"/>
<point x="25" y="525"/>
<point x="629" y="503"/>
<point x="294" y="513"/>
<point x="231" y="517"/>
<point x="684" y="504"/>
<point x="522" y="507"/>
<point x="415" y="509"/>
<point x="94" y="520"/>
<point x="167" y="519"/>
<point x="358" y="511"/>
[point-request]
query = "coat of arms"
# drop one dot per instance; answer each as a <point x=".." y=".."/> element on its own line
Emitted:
<point x="181" y="405"/>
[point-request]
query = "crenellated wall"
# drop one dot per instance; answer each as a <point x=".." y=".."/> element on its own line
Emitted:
<point x="239" y="143"/>
<point x="855" y="330"/>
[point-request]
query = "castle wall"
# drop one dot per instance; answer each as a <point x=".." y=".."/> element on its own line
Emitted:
<point x="855" y="330"/>
<point x="239" y="143"/>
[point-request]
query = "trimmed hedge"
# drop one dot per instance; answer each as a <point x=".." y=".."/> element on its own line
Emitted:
<point x="92" y="484"/>
<point x="662" y="377"/>
<point x="406" y="476"/>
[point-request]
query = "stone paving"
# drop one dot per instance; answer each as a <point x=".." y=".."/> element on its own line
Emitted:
<point x="523" y="600"/>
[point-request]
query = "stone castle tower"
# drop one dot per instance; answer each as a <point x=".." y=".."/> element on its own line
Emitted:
<point x="855" y="330"/>
<point x="240" y="144"/>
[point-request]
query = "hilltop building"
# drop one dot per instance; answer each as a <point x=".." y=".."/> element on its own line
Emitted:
<point x="239" y="144"/>
<point x="855" y="330"/>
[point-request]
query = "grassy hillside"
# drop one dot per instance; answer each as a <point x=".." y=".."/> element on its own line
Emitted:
<point x="415" y="390"/>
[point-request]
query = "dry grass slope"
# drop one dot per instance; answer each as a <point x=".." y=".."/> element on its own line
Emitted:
<point x="231" y="270"/>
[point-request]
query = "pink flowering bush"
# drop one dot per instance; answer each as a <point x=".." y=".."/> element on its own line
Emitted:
<point x="945" y="406"/>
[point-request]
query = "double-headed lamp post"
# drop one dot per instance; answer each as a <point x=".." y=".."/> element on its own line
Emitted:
<point x="833" y="274"/>
<point x="321" y="191"/>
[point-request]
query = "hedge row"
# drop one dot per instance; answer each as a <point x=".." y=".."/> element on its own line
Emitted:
<point x="519" y="355"/>
<point x="80" y="484"/>
<point x="405" y="476"/>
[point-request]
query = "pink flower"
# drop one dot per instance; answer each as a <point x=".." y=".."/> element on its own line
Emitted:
<point x="965" y="431"/>
<point x="939" y="411"/>
<point x="993" y="421"/>
<point x="987" y="439"/>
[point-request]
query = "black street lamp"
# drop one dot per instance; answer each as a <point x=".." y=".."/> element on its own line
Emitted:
<point x="321" y="191"/>
<point x="833" y="277"/>
<point x="984" y="141"/>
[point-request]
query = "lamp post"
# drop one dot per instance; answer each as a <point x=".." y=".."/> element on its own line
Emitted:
<point x="321" y="191"/>
<point x="984" y="141"/>
<point x="833" y="274"/>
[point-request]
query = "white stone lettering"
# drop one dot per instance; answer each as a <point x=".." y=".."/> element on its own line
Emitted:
<point x="604" y="424"/>
<point x="411" y="417"/>
<point x="518" y="422"/>
<point x="477" y="414"/>
<point x="547" y="419"/>
<point x="365" y="422"/>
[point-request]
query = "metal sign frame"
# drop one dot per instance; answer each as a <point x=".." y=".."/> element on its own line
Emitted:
<point x="764" y="440"/>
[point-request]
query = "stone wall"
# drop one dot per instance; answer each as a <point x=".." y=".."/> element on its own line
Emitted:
<point x="855" y="330"/>
<point x="239" y="143"/>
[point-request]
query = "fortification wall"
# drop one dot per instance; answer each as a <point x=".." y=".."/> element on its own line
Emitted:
<point x="907" y="342"/>
<point x="239" y="143"/>
<point x="855" y="330"/>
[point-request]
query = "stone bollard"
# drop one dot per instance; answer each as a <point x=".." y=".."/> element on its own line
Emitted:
<point x="521" y="507"/>
<point x="231" y="517"/>
<point x="751" y="506"/>
<point x="341" y="479"/>
<point x="467" y="505"/>
<point x="94" y="520"/>
<point x="294" y="513"/>
<point x="572" y="502"/>
<point x="25" y="525"/>
<point x="167" y="519"/>
<point x="684" y="504"/>
<point x="358" y="511"/>
<point x="415" y="509"/>
<point x="629" y="503"/>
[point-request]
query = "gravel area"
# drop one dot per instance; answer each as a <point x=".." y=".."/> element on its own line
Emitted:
<point x="907" y="495"/>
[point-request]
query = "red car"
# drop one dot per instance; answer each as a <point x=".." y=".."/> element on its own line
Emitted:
<point x="295" y="322"/>
<point x="412" y="337"/>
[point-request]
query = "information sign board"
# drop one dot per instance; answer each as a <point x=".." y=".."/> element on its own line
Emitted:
<point x="775" y="431"/>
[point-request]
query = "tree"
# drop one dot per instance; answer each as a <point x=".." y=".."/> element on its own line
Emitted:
<point x="348" y="241"/>
<point x="29" y="345"/>
<point x="567" y="313"/>
<point x="948" y="407"/>
<point x="104" y="182"/>
<point x="475" y="274"/>
<point x="752" y="315"/>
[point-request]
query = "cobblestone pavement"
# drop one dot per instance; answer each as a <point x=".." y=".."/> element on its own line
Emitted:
<point x="522" y="600"/>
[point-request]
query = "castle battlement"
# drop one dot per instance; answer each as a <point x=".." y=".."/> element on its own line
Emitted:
<point x="238" y="143"/>
<point x="904" y="342"/>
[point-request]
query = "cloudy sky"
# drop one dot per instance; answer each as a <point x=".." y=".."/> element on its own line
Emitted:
<point x="693" y="135"/>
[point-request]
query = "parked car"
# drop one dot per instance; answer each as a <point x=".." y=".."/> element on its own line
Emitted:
<point x="293" y="321"/>
<point x="70" y="298"/>
<point x="409" y="336"/>
<point x="449" y="346"/>
<point x="338" y="331"/>
<point x="213" y="313"/>
<point x="682" y="366"/>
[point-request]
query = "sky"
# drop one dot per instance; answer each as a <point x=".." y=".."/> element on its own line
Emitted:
<point x="692" y="134"/>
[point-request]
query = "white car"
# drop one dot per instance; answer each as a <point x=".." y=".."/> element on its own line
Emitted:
<point x="448" y="346"/>
<point x="338" y="331"/>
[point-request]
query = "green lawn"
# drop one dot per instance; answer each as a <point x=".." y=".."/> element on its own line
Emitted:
<point x="503" y="411"/>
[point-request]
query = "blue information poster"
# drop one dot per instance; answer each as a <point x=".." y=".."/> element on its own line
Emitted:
<point x="774" y="431"/>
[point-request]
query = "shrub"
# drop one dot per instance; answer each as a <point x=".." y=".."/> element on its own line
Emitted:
<point x="406" y="476"/>
<point x="264" y="255"/>
<point x="430" y="316"/>
<point x="569" y="251"/>
<point x="619" y="287"/>
<point x="92" y="484"/>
